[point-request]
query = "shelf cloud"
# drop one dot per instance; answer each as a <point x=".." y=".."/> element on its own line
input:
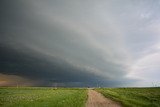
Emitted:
<point x="79" y="43"/>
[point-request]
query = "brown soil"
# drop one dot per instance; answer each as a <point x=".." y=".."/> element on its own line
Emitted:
<point x="96" y="99"/>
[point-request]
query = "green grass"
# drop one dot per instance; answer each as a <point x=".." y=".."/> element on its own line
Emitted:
<point x="42" y="97"/>
<point x="72" y="97"/>
<point x="133" y="97"/>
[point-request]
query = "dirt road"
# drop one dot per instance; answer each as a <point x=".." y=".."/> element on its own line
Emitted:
<point x="96" y="99"/>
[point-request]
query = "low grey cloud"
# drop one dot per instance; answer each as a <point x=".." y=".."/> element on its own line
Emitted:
<point x="76" y="43"/>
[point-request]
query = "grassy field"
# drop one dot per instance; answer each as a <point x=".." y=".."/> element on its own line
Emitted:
<point x="72" y="97"/>
<point x="133" y="97"/>
<point x="42" y="97"/>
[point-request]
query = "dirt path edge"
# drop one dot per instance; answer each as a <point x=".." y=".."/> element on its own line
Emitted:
<point x="96" y="99"/>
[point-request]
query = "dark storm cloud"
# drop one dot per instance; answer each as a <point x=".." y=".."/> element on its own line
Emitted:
<point x="46" y="72"/>
<point x="36" y="47"/>
<point x="73" y="43"/>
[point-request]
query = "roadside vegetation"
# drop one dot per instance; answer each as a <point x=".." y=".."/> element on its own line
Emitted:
<point x="133" y="97"/>
<point x="42" y="97"/>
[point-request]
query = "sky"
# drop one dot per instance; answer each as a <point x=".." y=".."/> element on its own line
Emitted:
<point x="106" y="43"/>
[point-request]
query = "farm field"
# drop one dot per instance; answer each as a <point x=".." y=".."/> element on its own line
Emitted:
<point x="42" y="97"/>
<point x="133" y="97"/>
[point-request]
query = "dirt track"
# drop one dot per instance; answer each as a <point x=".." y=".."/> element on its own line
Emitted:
<point x="96" y="99"/>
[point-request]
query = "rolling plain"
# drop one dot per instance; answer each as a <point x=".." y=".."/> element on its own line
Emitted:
<point x="76" y="97"/>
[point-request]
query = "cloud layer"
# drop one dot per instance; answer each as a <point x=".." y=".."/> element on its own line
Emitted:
<point x="80" y="43"/>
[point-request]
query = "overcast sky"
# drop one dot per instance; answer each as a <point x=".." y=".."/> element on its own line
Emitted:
<point x="80" y="42"/>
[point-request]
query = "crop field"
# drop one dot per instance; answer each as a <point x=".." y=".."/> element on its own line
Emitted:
<point x="133" y="97"/>
<point x="42" y="97"/>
